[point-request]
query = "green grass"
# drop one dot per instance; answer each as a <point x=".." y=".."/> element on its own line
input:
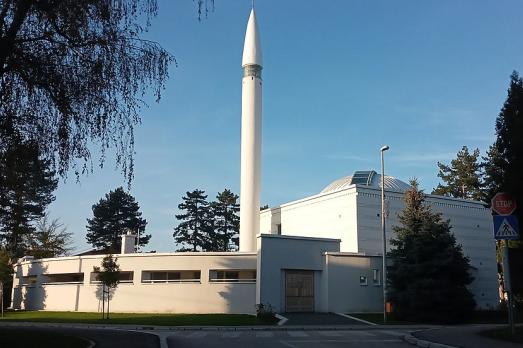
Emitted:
<point x="27" y="337"/>
<point x="504" y="334"/>
<point x="136" y="318"/>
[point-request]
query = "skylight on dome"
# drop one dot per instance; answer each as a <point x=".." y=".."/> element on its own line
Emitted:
<point x="363" y="177"/>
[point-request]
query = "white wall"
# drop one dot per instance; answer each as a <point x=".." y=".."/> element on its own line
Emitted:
<point x="203" y="297"/>
<point x="331" y="215"/>
<point x="471" y="224"/>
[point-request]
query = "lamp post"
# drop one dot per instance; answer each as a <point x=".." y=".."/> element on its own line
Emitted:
<point x="384" y="270"/>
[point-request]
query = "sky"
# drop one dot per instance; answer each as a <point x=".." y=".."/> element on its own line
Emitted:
<point x="341" y="79"/>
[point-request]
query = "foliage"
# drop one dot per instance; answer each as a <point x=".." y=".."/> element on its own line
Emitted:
<point x="74" y="73"/>
<point x="462" y="179"/>
<point x="6" y="266"/>
<point x="113" y="216"/>
<point x="109" y="272"/>
<point x="196" y="227"/>
<point x="503" y="165"/>
<point x="26" y="189"/>
<point x="226" y="221"/>
<point x="429" y="274"/>
<point x="265" y="313"/>
<point x="50" y="239"/>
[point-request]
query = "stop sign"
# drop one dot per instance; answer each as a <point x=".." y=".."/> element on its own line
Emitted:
<point x="503" y="203"/>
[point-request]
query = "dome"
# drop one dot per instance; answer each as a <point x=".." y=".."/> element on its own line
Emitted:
<point x="366" y="178"/>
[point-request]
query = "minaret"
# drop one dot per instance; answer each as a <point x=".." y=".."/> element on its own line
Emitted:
<point x="251" y="137"/>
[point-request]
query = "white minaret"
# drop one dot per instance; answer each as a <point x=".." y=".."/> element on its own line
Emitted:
<point x="251" y="137"/>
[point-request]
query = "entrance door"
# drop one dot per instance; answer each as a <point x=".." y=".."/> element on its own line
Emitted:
<point x="299" y="291"/>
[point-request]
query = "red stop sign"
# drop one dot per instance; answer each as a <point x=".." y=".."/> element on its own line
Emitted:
<point x="503" y="203"/>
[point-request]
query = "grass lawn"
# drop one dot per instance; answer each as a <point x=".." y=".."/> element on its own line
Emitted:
<point x="22" y="338"/>
<point x="504" y="334"/>
<point x="136" y="318"/>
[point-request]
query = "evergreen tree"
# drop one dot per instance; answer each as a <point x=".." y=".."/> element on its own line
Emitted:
<point x="26" y="189"/>
<point x="50" y="239"/>
<point x="504" y="165"/>
<point x="226" y="221"/>
<point x="462" y="179"/>
<point x="429" y="274"/>
<point x="6" y="275"/>
<point x="195" y="231"/>
<point x="113" y="216"/>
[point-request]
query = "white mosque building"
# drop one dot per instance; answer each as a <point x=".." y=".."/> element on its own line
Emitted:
<point x="319" y="254"/>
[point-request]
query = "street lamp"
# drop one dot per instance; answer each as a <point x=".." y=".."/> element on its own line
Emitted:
<point x="384" y="270"/>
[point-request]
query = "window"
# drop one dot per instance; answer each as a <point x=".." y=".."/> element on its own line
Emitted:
<point x="363" y="280"/>
<point x="64" y="278"/>
<point x="376" y="277"/>
<point x="125" y="277"/>
<point x="28" y="280"/>
<point x="232" y="276"/>
<point x="171" y="276"/>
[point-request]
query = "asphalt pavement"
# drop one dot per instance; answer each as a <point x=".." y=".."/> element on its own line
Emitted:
<point x="288" y="338"/>
<point x="463" y="337"/>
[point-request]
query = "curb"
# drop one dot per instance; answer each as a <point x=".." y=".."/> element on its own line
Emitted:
<point x="424" y="344"/>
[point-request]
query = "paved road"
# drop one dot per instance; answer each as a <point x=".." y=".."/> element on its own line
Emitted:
<point x="289" y="339"/>
<point x="104" y="338"/>
<point x="319" y="319"/>
<point x="464" y="336"/>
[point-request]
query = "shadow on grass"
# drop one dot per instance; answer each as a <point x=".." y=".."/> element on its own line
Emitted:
<point x="137" y="318"/>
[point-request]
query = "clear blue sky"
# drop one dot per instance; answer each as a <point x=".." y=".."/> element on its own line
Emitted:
<point x="341" y="78"/>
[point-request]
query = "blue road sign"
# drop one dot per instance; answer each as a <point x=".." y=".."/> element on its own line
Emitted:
<point x="506" y="227"/>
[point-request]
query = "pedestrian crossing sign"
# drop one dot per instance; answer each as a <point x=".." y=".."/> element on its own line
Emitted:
<point x="506" y="227"/>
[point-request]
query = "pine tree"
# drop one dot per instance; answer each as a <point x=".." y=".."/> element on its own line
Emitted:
<point x="226" y="221"/>
<point x="429" y="274"/>
<point x="114" y="215"/>
<point x="50" y="239"/>
<point x="504" y="164"/>
<point x="26" y="189"/>
<point x="462" y="179"/>
<point x="195" y="231"/>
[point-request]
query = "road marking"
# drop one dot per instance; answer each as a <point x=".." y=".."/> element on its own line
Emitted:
<point x="357" y="319"/>
<point x="297" y="334"/>
<point x="265" y="334"/>
<point x="231" y="334"/>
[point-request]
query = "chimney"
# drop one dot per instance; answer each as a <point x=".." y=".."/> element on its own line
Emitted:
<point x="128" y="243"/>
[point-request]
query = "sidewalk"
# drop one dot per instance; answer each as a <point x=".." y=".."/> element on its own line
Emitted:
<point x="463" y="337"/>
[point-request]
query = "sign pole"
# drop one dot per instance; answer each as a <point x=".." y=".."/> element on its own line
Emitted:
<point x="508" y="287"/>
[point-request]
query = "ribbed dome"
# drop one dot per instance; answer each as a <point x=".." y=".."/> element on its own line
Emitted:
<point x="367" y="178"/>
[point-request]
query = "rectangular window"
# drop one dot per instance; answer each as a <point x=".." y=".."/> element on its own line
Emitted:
<point x="64" y="278"/>
<point x="171" y="276"/>
<point x="232" y="276"/>
<point x="124" y="277"/>
<point x="28" y="280"/>
<point x="376" y="277"/>
<point x="363" y="280"/>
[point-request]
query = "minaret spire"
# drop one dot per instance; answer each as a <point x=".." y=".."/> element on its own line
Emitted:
<point x="251" y="137"/>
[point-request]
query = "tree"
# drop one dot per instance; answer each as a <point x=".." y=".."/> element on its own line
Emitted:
<point x="6" y="277"/>
<point x="462" y="179"/>
<point x="113" y="216"/>
<point x="26" y="189"/>
<point x="429" y="274"/>
<point x="74" y="73"/>
<point x="196" y="227"/>
<point x="50" y="239"/>
<point x="503" y="165"/>
<point x="226" y="221"/>
<point x="109" y="276"/>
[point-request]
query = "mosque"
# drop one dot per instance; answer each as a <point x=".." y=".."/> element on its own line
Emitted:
<point x="318" y="254"/>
